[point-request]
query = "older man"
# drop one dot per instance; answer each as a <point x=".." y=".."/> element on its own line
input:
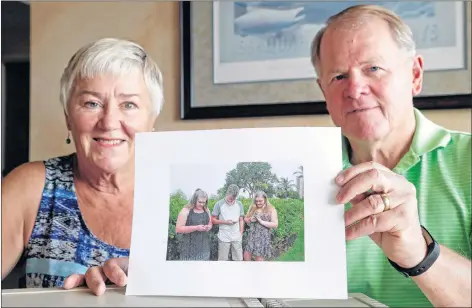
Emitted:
<point x="404" y="175"/>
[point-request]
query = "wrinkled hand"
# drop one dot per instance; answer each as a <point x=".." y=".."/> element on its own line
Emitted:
<point x="208" y="228"/>
<point x="397" y="230"/>
<point x="229" y="222"/>
<point x="115" y="270"/>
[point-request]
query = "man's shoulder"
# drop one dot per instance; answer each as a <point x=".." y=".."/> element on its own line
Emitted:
<point x="460" y="138"/>
<point x="219" y="203"/>
<point x="453" y="162"/>
<point x="459" y="146"/>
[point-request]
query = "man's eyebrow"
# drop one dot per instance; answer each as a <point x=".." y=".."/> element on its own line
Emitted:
<point x="371" y="60"/>
<point x="364" y="62"/>
<point x="337" y="71"/>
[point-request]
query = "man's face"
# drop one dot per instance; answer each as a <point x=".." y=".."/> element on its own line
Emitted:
<point x="230" y="199"/>
<point x="367" y="80"/>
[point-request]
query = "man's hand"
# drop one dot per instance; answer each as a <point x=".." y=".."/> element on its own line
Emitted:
<point x="384" y="206"/>
<point x="115" y="270"/>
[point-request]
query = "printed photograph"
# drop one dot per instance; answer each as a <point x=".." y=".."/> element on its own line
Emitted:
<point x="247" y="211"/>
<point x="250" y="210"/>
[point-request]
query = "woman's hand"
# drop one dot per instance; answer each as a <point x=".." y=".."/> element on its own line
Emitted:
<point x="201" y="228"/>
<point x="115" y="270"/>
<point x="258" y="218"/>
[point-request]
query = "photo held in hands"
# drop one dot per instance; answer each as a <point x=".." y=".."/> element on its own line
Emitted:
<point x="234" y="201"/>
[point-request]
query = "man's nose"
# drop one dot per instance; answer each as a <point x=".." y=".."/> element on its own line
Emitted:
<point x="357" y="85"/>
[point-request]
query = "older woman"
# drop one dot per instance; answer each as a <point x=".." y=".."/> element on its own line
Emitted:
<point x="73" y="212"/>
<point x="261" y="218"/>
<point x="193" y="223"/>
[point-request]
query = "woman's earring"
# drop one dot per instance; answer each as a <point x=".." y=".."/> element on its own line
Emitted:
<point x="68" y="138"/>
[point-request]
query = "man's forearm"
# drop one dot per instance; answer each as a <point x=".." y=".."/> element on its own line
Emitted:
<point x="448" y="282"/>
<point x="216" y="221"/>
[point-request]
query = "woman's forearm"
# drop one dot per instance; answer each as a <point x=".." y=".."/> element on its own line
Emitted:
<point x="448" y="282"/>
<point x="269" y="224"/>
<point x="185" y="229"/>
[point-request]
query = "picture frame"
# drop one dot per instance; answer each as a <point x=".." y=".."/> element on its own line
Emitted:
<point x="209" y="91"/>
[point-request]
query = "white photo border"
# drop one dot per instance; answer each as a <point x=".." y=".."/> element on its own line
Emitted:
<point x="322" y="274"/>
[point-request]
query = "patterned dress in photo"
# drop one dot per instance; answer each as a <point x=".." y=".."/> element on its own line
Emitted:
<point x="196" y="245"/>
<point x="258" y="240"/>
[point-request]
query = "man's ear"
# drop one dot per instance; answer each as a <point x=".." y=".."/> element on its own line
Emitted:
<point x="318" y="81"/>
<point x="417" y="71"/>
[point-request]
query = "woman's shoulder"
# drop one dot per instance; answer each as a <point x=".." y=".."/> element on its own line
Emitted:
<point x="60" y="162"/>
<point x="28" y="172"/>
<point x="33" y="174"/>
<point x="185" y="209"/>
<point x="22" y="189"/>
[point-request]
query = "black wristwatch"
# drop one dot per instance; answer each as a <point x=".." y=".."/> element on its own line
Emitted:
<point x="431" y="257"/>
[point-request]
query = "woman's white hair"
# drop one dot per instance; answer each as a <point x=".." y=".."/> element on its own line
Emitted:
<point x="112" y="56"/>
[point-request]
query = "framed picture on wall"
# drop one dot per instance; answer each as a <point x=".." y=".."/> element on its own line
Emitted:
<point x="250" y="59"/>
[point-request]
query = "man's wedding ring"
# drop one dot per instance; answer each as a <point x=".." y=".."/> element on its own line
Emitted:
<point x="386" y="202"/>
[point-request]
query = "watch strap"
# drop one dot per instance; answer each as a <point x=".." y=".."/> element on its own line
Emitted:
<point x="432" y="255"/>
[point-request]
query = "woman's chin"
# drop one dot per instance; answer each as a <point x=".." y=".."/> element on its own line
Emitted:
<point x="110" y="164"/>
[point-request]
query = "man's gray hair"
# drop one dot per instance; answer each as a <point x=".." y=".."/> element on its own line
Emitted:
<point x="233" y="190"/>
<point x="118" y="57"/>
<point x="401" y="32"/>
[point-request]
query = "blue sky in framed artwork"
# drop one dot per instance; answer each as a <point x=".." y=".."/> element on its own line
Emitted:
<point x="272" y="30"/>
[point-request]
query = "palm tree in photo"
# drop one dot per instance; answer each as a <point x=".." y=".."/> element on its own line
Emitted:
<point x="285" y="186"/>
<point x="300" y="181"/>
<point x="299" y="172"/>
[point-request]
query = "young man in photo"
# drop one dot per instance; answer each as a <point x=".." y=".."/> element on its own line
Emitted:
<point x="228" y="213"/>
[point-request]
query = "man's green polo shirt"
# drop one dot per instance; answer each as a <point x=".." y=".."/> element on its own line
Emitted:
<point x="439" y="165"/>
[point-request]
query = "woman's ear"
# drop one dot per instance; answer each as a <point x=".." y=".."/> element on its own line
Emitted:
<point x="67" y="120"/>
